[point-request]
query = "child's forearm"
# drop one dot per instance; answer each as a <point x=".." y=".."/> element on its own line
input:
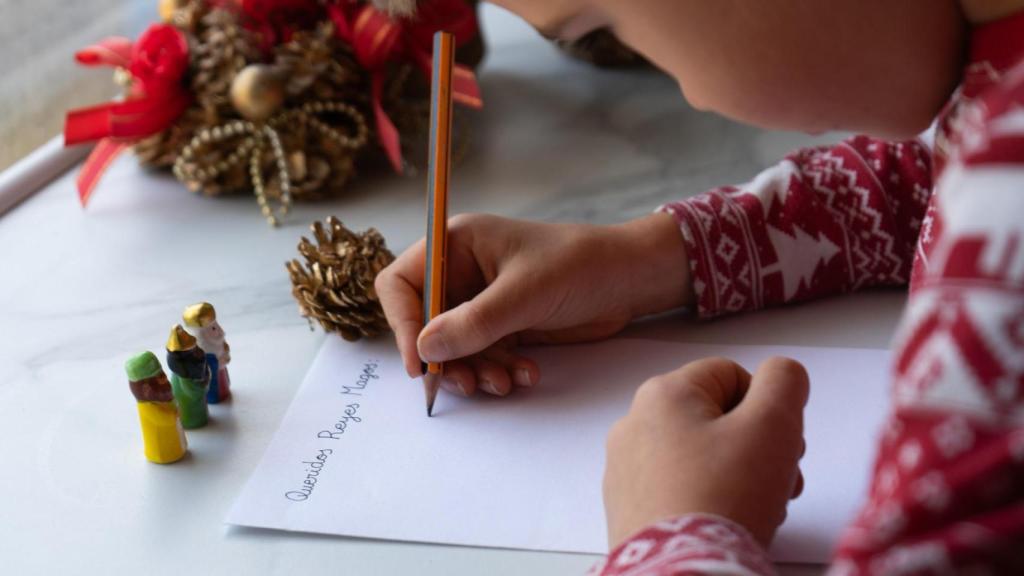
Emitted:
<point x="824" y="221"/>
<point x="657" y="273"/>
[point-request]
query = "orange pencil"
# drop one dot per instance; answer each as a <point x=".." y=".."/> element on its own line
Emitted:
<point x="439" y="167"/>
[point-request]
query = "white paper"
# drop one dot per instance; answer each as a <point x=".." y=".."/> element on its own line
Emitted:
<point x="525" y="471"/>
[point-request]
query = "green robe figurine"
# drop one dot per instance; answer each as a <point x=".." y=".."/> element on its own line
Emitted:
<point x="190" y="377"/>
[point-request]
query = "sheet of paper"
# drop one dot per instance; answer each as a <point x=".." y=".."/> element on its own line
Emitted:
<point x="357" y="456"/>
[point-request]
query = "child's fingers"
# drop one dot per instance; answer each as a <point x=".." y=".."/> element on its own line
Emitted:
<point x="778" y="393"/>
<point x="500" y="309"/>
<point x="399" y="288"/>
<point x="704" y="389"/>
<point x="798" y="485"/>
<point x="459" y="378"/>
<point x="773" y="407"/>
<point x="491" y="377"/>
<point x="522" y="370"/>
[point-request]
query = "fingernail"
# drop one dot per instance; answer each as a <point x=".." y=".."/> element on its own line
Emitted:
<point x="453" y="385"/>
<point x="523" y="377"/>
<point x="433" y="348"/>
<point x="490" y="387"/>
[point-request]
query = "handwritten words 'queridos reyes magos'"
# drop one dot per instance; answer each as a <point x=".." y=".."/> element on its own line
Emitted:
<point x="326" y="436"/>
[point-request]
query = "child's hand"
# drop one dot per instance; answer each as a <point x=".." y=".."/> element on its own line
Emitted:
<point x="708" y="438"/>
<point x="511" y="282"/>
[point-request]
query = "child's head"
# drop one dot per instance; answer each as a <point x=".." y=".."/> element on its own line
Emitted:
<point x="863" y="65"/>
<point x="874" y="66"/>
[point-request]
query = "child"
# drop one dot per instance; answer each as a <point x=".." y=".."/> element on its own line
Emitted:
<point x="700" y="470"/>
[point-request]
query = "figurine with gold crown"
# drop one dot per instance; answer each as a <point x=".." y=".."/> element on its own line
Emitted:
<point x="190" y="377"/>
<point x="201" y="322"/>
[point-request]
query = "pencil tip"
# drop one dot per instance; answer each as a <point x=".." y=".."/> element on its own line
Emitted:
<point x="430" y="386"/>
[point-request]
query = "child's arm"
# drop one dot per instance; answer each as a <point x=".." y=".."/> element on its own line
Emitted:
<point x="700" y="470"/>
<point x="947" y="494"/>
<point x="824" y="221"/>
<point x="514" y="282"/>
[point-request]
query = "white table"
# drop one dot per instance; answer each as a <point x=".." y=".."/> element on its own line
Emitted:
<point x="83" y="290"/>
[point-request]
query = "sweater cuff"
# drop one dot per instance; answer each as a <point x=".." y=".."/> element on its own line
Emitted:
<point x="710" y="252"/>
<point x="689" y="544"/>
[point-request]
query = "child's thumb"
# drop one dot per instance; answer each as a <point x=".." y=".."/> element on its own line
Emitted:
<point x="474" y="325"/>
<point x="777" y="395"/>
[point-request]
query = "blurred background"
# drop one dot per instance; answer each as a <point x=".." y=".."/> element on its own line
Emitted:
<point x="39" y="80"/>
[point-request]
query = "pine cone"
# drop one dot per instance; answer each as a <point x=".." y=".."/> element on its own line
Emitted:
<point x="187" y="13"/>
<point x="306" y="57"/>
<point x="335" y="286"/>
<point x="224" y="47"/>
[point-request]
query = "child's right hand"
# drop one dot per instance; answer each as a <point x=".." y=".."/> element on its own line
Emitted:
<point x="512" y="282"/>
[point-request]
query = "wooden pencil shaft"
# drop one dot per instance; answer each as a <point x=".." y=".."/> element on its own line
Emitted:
<point x="439" y="169"/>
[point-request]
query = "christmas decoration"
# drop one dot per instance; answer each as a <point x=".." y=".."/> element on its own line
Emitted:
<point x="201" y="322"/>
<point x="163" y="439"/>
<point x="257" y="91"/>
<point x="277" y="97"/>
<point x="335" y="284"/>
<point x="190" y="377"/>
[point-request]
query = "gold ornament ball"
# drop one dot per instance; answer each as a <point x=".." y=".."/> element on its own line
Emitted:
<point x="257" y="92"/>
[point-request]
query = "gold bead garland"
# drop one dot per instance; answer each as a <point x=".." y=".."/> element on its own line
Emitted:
<point x="255" y="136"/>
<point x="255" y="173"/>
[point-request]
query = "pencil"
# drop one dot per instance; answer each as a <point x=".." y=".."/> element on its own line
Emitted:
<point x="438" y="169"/>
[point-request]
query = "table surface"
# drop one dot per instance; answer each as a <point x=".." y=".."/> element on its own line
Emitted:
<point x="84" y="289"/>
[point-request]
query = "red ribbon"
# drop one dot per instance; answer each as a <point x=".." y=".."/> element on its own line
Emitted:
<point x="377" y="39"/>
<point x="128" y="120"/>
<point x="95" y="165"/>
<point x="114" y="51"/>
<point x="157" y="62"/>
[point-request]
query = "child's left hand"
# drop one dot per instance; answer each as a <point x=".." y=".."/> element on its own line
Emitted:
<point x="708" y="438"/>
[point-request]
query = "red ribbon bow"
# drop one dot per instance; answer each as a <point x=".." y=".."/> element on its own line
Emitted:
<point x="156" y="62"/>
<point x="378" y="39"/>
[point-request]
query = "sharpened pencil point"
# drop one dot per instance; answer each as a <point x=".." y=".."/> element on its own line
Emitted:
<point x="431" y="383"/>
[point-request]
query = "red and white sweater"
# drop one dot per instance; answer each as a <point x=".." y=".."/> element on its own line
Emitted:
<point x="947" y="493"/>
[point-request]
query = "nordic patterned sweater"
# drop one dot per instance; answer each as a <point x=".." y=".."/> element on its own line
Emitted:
<point x="947" y="488"/>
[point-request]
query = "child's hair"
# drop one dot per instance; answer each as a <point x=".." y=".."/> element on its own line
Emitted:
<point x="396" y="7"/>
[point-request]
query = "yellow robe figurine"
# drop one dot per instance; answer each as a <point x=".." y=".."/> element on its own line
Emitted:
<point x="162" y="434"/>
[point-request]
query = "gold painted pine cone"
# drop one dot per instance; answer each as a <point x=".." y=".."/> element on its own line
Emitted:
<point x="335" y="284"/>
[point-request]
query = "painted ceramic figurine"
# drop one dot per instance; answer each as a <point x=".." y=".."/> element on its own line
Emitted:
<point x="190" y="377"/>
<point x="201" y="322"/>
<point x="162" y="436"/>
